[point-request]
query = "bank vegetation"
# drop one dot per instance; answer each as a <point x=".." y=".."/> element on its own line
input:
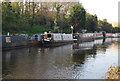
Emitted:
<point x="39" y="17"/>
<point x="113" y="73"/>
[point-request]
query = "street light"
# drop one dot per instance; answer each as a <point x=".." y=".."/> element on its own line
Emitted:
<point x="8" y="33"/>
<point x="72" y="29"/>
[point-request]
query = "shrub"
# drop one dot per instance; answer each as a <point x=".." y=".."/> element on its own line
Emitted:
<point x="113" y="73"/>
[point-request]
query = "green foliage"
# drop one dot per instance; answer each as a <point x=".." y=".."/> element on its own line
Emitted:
<point x="38" y="29"/>
<point x="57" y="18"/>
<point x="15" y="21"/>
<point x="91" y="22"/>
<point x="116" y="30"/>
<point x="103" y="25"/>
<point x="77" y="17"/>
<point x="9" y="17"/>
<point x="26" y="17"/>
<point x="32" y="30"/>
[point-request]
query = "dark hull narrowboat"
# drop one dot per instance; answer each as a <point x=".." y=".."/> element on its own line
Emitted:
<point x="9" y="42"/>
<point x="87" y="37"/>
<point x="80" y="37"/>
<point x="55" y="44"/>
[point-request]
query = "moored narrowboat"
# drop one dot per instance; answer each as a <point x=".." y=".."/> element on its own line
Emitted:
<point x="10" y="41"/>
<point x="53" y="39"/>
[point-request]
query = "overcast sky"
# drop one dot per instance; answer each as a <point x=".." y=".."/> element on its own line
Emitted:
<point x="103" y="8"/>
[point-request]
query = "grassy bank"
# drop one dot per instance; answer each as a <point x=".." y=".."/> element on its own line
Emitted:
<point x="28" y="30"/>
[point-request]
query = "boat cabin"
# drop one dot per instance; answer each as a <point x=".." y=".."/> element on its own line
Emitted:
<point x="37" y="37"/>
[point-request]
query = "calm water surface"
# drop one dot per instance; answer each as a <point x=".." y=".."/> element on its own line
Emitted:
<point x="89" y="60"/>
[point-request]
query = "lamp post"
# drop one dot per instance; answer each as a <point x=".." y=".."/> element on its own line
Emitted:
<point x="8" y="33"/>
<point x="72" y="29"/>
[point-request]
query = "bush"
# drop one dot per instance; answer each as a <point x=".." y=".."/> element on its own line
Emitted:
<point x="29" y="30"/>
<point x="39" y="29"/>
<point x="113" y="73"/>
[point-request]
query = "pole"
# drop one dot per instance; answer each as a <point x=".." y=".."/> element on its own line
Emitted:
<point x="72" y="29"/>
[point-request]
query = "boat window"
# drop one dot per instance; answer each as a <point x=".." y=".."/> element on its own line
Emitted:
<point x="36" y="37"/>
<point x="49" y="35"/>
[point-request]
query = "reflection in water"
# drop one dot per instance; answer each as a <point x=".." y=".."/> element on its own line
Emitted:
<point x="80" y="61"/>
<point x="103" y="41"/>
<point x="80" y="55"/>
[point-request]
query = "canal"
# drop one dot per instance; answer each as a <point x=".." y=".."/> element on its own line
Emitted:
<point x="89" y="60"/>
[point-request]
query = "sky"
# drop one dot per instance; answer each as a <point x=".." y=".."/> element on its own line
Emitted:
<point x="104" y="9"/>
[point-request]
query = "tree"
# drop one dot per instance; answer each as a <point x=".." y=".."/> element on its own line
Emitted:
<point x="9" y="16"/>
<point x="105" y="26"/>
<point x="57" y="18"/>
<point x="91" y="22"/>
<point x="77" y="17"/>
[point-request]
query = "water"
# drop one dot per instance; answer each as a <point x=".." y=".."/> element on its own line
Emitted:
<point x="89" y="60"/>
